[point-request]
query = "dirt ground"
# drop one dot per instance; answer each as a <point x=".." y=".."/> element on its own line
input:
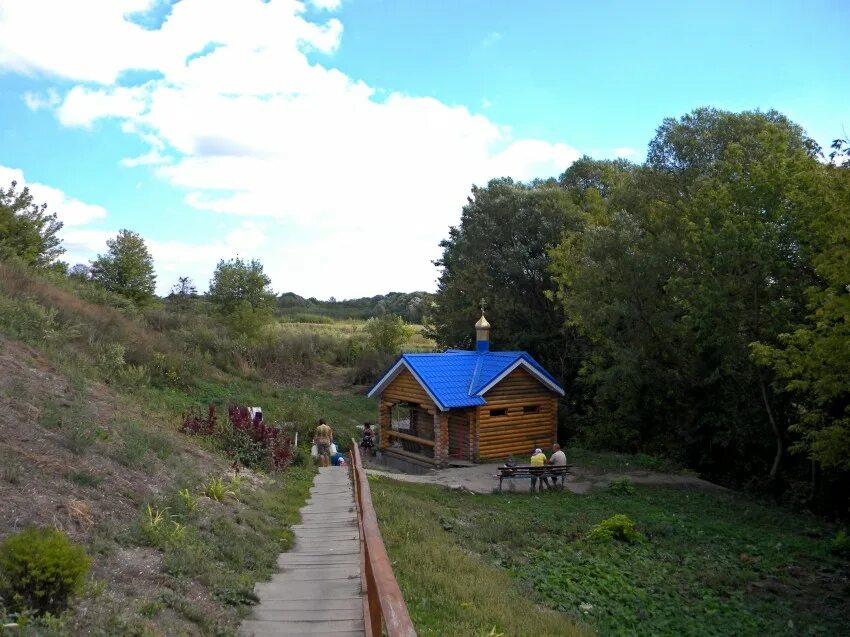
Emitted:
<point x="481" y="478"/>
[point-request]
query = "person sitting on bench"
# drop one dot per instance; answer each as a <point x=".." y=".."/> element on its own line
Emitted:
<point x="558" y="459"/>
<point x="538" y="459"/>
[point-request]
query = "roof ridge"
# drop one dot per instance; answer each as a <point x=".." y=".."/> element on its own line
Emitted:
<point x="475" y="373"/>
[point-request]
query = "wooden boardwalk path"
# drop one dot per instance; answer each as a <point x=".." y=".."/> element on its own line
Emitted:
<point x="317" y="590"/>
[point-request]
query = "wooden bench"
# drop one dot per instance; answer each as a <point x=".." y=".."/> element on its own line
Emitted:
<point x="527" y="472"/>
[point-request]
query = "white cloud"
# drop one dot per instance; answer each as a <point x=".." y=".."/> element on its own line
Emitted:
<point x="326" y="5"/>
<point x="624" y="152"/>
<point x="36" y="102"/>
<point x="82" y="106"/>
<point x="371" y="179"/>
<point x="70" y="211"/>
<point x="150" y="158"/>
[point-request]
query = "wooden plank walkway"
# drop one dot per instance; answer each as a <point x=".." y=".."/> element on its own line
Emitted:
<point x="317" y="589"/>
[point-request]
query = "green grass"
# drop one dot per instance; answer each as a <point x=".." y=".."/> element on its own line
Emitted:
<point x="225" y="545"/>
<point x="280" y="404"/>
<point x="713" y="563"/>
<point x="613" y="461"/>
<point x="448" y="589"/>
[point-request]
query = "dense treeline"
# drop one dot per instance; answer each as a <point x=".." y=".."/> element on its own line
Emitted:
<point x="411" y="306"/>
<point x="695" y="306"/>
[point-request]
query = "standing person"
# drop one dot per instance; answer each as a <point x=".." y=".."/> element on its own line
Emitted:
<point x="538" y="459"/>
<point x="558" y="459"/>
<point x="367" y="441"/>
<point x="322" y="439"/>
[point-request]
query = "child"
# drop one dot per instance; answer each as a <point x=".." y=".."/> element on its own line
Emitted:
<point x="367" y="442"/>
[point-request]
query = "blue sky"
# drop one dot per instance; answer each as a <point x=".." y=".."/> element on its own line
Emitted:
<point x="337" y="141"/>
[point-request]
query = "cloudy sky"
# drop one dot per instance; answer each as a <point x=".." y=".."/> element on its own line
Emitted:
<point x="337" y="140"/>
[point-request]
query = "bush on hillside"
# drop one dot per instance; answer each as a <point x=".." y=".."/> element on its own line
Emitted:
<point x="28" y="320"/>
<point x="841" y="544"/>
<point x="369" y="366"/>
<point x="621" y="487"/>
<point x="41" y="569"/>
<point x="388" y="334"/>
<point x="618" y="527"/>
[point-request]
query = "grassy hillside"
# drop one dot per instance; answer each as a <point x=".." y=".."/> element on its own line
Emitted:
<point x="712" y="563"/>
<point x="91" y="395"/>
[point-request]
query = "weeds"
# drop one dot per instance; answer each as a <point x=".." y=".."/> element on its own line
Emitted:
<point x="159" y="526"/>
<point x="138" y="443"/>
<point x="717" y="563"/>
<point x="79" y="433"/>
<point x="50" y="417"/>
<point x="190" y="503"/>
<point x="83" y="479"/>
<point x="215" y="489"/>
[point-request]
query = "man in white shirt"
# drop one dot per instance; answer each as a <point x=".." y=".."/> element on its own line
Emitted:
<point x="558" y="459"/>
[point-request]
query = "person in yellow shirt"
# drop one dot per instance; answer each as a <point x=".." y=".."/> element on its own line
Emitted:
<point x="538" y="459"/>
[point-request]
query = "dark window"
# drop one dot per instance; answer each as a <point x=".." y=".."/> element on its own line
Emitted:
<point x="531" y="409"/>
<point x="498" y="412"/>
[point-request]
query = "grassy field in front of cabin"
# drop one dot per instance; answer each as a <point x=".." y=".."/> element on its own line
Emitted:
<point x="713" y="563"/>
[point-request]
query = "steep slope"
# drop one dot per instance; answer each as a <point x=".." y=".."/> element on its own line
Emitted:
<point x="90" y="405"/>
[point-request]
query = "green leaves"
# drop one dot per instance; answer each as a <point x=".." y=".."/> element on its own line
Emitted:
<point x="27" y="231"/>
<point x="240" y="292"/>
<point x="127" y="268"/>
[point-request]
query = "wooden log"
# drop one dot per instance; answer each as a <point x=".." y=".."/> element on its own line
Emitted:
<point x="532" y="436"/>
<point x="416" y="439"/>
<point x="530" y="401"/>
<point x="516" y="422"/>
<point x="513" y="419"/>
<point x="515" y="426"/>
<point x="544" y="438"/>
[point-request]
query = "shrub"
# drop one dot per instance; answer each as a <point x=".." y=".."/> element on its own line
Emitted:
<point x="388" y="333"/>
<point x="621" y="487"/>
<point x="618" y="527"/>
<point x="369" y="366"/>
<point x="29" y="320"/>
<point x="841" y="544"/>
<point x="41" y="568"/>
<point x="78" y="432"/>
<point x="84" y="479"/>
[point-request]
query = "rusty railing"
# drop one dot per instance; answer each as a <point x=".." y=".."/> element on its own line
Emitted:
<point x="383" y="606"/>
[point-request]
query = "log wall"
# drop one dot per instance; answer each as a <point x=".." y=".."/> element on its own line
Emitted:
<point x="521" y="428"/>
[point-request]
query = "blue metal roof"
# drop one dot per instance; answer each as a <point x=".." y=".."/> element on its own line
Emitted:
<point x="459" y="378"/>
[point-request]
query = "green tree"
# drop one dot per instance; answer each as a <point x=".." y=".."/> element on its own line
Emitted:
<point x="241" y="293"/>
<point x="702" y="252"/>
<point x="388" y="334"/>
<point x="500" y="253"/>
<point x="813" y="361"/>
<point x="27" y="231"/>
<point x="127" y="268"/>
<point x="182" y="294"/>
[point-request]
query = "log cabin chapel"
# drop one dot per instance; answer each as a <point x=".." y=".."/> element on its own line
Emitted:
<point x="467" y="406"/>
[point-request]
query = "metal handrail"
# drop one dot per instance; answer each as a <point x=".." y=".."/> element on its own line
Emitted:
<point x="383" y="605"/>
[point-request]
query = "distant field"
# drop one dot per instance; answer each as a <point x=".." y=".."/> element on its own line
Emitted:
<point x="349" y="328"/>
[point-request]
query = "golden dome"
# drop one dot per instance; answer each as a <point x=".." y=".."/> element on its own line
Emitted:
<point x="482" y="323"/>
